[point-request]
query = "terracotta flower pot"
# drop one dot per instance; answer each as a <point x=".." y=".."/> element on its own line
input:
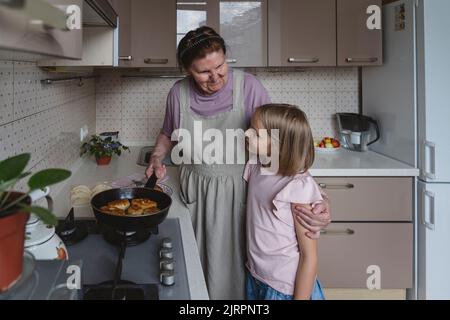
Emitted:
<point x="12" y="237"/>
<point x="103" y="161"/>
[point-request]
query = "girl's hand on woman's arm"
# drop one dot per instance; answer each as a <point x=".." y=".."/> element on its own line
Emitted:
<point x="307" y="267"/>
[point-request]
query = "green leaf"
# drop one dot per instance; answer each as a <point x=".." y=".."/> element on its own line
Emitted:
<point x="45" y="215"/>
<point x="11" y="168"/>
<point x="8" y="184"/>
<point x="45" y="178"/>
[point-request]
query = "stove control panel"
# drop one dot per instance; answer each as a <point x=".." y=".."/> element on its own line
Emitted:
<point x="166" y="263"/>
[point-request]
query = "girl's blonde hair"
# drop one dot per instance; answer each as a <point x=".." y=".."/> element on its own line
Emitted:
<point x="296" y="145"/>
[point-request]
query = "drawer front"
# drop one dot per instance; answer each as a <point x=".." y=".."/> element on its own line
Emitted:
<point x="350" y="252"/>
<point x="369" y="199"/>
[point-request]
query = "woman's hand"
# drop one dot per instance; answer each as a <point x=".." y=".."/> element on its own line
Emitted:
<point x="313" y="219"/>
<point x="158" y="167"/>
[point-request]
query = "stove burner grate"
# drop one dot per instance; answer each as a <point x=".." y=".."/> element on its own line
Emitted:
<point x="124" y="290"/>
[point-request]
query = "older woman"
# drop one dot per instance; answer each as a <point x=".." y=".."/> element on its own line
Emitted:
<point x="218" y="98"/>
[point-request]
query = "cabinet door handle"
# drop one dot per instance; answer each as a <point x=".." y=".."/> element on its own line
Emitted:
<point x="330" y="232"/>
<point x="429" y="161"/>
<point x="156" y="61"/>
<point x="231" y="60"/>
<point x="428" y="209"/>
<point x="125" y="58"/>
<point x="356" y="60"/>
<point x="305" y="60"/>
<point x="337" y="186"/>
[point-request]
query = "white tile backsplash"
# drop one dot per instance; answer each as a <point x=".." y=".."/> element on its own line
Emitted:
<point x="320" y="92"/>
<point x="43" y="120"/>
<point x="6" y="92"/>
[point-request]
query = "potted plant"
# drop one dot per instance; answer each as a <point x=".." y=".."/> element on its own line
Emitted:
<point x="103" y="149"/>
<point x="15" y="209"/>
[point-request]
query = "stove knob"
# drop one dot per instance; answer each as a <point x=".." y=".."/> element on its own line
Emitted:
<point x="166" y="253"/>
<point x="166" y="265"/>
<point x="167" y="278"/>
<point x="166" y="243"/>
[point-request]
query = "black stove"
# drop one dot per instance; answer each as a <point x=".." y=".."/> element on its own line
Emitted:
<point x="146" y="265"/>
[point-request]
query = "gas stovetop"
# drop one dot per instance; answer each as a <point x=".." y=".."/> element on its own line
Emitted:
<point x="152" y="268"/>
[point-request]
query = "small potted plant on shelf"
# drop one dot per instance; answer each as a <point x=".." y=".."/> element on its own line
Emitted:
<point x="103" y="149"/>
<point x="15" y="209"/>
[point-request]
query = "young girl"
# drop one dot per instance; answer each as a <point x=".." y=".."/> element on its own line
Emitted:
<point x="281" y="259"/>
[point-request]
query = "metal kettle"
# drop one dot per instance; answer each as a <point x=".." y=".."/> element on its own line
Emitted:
<point x="356" y="131"/>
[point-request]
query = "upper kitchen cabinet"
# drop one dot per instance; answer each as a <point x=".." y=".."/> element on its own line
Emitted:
<point x="358" y="45"/>
<point x="242" y="24"/>
<point x="45" y="28"/>
<point x="100" y="38"/>
<point x="302" y="33"/>
<point x="153" y="33"/>
<point x="123" y="9"/>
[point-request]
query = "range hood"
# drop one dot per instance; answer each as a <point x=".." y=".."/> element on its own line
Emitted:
<point x="99" y="13"/>
<point x="95" y="12"/>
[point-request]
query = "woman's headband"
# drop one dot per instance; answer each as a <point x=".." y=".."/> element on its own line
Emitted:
<point x="197" y="42"/>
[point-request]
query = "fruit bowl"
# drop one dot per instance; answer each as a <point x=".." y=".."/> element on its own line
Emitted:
<point x="327" y="145"/>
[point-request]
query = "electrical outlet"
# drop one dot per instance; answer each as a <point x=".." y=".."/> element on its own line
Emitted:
<point x="86" y="131"/>
<point x="83" y="132"/>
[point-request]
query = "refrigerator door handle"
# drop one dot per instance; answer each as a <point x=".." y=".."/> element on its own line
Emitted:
<point x="428" y="210"/>
<point x="429" y="156"/>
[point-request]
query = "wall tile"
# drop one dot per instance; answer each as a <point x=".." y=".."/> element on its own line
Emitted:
<point x="135" y="129"/>
<point x="322" y="103"/>
<point x="46" y="118"/>
<point x="109" y="125"/>
<point x="25" y="89"/>
<point x="320" y="92"/>
<point x="7" y="141"/>
<point x="135" y="105"/>
<point x="108" y="82"/>
<point x="347" y="79"/>
<point x="347" y="101"/>
<point x="109" y="105"/>
<point x="6" y="92"/>
<point x="322" y="79"/>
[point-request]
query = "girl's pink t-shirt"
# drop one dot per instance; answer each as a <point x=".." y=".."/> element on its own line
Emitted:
<point x="272" y="246"/>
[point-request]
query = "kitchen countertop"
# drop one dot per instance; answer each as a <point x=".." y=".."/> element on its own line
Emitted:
<point x="340" y="163"/>
<point x="88" y="173"/>
<point x="344" y="162"/>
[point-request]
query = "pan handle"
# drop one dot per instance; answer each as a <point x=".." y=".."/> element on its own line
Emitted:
<point x="151" y="182"/>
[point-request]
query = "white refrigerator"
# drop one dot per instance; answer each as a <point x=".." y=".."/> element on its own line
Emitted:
<point x="410" y="96"/>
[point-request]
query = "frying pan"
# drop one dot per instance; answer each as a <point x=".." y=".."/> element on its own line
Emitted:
<point x="131" y="222"/>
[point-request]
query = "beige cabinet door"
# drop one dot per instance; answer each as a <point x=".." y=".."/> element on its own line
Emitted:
<point x="357" y="44"/>
<point x="366" y="255"/>
<point x="369" y="198"/>
<point x="153" y="33"/>
<point x="123" y="9"/>
<point x="302" y="33"/>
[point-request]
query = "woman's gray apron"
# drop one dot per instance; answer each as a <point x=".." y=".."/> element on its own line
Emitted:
<point x="215" y="196"/>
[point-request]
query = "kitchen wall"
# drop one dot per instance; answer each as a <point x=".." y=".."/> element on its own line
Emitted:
<point x="42" y="119"/>
<point x="136" y="106"/>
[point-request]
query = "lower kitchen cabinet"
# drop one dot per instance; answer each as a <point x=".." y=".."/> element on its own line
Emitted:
<point x="365" y="294"/>
<point x="366" y="255"/>
<point x="369" y="199"/>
